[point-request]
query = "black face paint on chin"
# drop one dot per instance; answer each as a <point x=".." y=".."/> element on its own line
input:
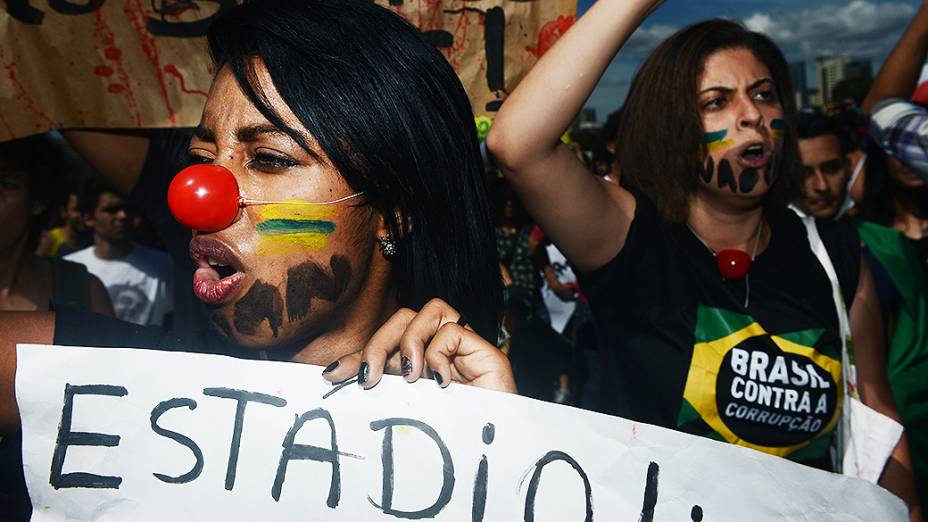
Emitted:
<point x="223" y="325"/>
<point x="309" y="280"/>
<point x="727" y="176"/>
<point x="708" y="171"/>
<point x="748" y="180"/>
<point x="262" y="302"/>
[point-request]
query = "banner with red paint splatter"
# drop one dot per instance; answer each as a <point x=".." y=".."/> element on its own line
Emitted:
<point x="144" y="63"/>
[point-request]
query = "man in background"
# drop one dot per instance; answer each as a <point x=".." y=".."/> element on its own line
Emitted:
<point x="139" y="279"/>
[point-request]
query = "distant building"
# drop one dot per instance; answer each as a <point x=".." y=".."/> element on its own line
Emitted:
<point x="833" y="69"/>
<point x="797" y="73"/>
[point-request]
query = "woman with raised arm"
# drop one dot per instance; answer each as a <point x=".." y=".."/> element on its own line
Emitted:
<point x="715" y="316"/>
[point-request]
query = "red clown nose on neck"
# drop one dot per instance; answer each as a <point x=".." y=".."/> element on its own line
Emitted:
<point x="204" y="197"/>
<point x="733" y="264"/>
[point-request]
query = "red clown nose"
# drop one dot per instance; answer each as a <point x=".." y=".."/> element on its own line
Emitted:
<point x="204" y="197"/>
<point x="733" y="264"/>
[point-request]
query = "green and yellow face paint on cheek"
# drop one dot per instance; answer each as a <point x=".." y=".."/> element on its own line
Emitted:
<point x="716" y="140"/>
<point x="295" y="226"/>
<point x="777" y="128"/>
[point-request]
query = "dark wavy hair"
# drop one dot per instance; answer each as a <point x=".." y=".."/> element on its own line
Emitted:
<point x="393" y="118"/>
<point x="661" y="147"/>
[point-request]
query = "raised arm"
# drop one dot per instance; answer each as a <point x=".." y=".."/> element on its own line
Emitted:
<point x="559" y="192"/>
<point x="899" y="74"/>
<point x="117" y="155"/>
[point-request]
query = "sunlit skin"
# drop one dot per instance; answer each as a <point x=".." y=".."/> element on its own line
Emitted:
<point x="826" y="173"/>
<point x="269" y="165"/>
<point x="737" y="94"/>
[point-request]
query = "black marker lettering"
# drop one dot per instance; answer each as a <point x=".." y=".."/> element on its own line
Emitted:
<point x="478" y="506"/>
<point x="164" y="27"/>
<point x="242" y="398"/>
<point x="447" y="486"/>
<point x="495" y="48"/>
<point x="650" y="493"/>
<point x="183" y="440"/>
<point x="69" y="8"/>
<point x="66" y="438"/>
<point x="554" y="456"/>
<point x="294" y="451"/>
<point x="25" y="13"/>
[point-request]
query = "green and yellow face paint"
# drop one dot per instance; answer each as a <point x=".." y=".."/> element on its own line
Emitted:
<point x="777" y="128"/>
<point x="716" y="140"/>
<point x="295" y="226"/>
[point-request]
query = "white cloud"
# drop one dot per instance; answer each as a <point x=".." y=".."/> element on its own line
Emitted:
<point x="859" y="28"/>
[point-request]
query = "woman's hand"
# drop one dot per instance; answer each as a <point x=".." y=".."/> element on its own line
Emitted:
<point x="435" y="342"/>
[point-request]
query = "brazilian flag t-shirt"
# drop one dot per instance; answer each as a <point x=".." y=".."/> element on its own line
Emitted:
<point x="680" y="349"/>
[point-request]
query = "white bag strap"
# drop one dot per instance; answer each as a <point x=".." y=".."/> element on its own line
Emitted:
<point x="818" y="248"/>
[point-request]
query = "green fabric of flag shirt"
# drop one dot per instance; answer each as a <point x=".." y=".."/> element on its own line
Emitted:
<point x="907" y="336"/>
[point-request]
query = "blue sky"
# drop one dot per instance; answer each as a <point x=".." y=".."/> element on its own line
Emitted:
<point x="804" y="29"/>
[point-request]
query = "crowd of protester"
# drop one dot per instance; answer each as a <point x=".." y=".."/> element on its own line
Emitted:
<point x="606" y="258"/>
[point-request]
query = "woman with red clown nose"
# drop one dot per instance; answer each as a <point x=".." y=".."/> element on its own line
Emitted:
<point x="714" y="314"/>
<point x="328" y="227"/>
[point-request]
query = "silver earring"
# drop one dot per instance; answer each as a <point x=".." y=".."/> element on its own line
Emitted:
<point x="387" y="246"/>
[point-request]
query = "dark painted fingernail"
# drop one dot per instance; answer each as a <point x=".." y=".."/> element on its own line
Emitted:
<point x="406" y="365"/>
<point x="438" y="378"/>
<point x="330" y="368"/>
<point x="363" y="373"/>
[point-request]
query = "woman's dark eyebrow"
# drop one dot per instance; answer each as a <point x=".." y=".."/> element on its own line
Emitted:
<point x="204" y="134"/>
<point x="727" y="90"/>
<point x="253" y="132"/>
<point x="760" y="82"/>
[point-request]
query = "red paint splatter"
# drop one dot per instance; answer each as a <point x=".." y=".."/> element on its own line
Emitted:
<point x="172" y="70"/>
<point x="7" y="126"/>
<point x="112" y="52"/>
<point x="137" y="16"/>
<point x="103" y="70"/>
<point x="549" y="34"/>
<point x="22" y="95"/>
<point x="115" y="88"/>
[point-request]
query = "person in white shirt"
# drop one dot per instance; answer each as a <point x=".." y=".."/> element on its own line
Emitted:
<point x="138" y="279"/>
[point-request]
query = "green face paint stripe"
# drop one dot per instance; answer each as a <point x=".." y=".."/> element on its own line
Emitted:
<point x="778" y="124"/>
<point x="710" y="137"/>
<point x="294" y="226"/>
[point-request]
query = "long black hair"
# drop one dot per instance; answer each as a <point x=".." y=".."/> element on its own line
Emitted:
<point x="391" y="115"/>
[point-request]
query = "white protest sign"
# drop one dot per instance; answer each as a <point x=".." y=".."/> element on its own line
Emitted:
<point x="118" y="434"/>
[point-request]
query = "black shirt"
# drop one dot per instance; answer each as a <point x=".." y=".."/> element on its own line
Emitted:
<point x="680" y="350"/>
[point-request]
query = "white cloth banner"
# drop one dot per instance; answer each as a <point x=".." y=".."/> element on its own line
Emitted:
<point x="120" y="434"/>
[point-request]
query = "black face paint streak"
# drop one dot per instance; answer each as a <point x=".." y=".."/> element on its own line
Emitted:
<point x="309" y="280"/>
<point x="479" y="503"/>
<point x="183" y="440"/>
<point x="66" y="438"/>
<point x="748" y="180"/>
<point x="223" y="325"/>
<point x="696" y="514"/>
<point x="709" y="170"/>
<point x="294" y="451"/>
<point x="261" y="302"/>
<point x="533" y="484"/>
<point x="447" y="486"/>
<point x="242" y="398"/>
<point x="650" y="493"/>
<point x="727" y="176"/>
